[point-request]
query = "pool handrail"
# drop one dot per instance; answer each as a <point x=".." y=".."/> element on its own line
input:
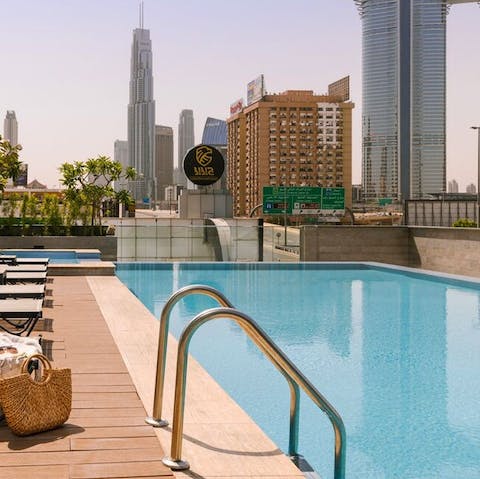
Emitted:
<point x="155" y="419"/>
<point x="271" y="350"/>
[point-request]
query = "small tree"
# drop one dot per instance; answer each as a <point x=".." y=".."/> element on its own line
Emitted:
<point x="90" y="182"/>
<point x="51" y="214"/>
<point x="10" y="207"/>
<point x="9" y="162"/>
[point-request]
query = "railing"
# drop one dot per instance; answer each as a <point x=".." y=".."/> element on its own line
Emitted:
<point x="155" y="419"/>
<point x="269" y="348"/>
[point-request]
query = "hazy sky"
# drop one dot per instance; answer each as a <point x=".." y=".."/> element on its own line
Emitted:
<point x="64" y="68"/>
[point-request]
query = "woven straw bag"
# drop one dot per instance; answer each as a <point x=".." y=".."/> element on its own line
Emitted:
<point x="32" y="406"/>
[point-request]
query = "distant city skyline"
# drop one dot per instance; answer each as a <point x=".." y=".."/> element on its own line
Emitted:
<point x="83" y="97"/>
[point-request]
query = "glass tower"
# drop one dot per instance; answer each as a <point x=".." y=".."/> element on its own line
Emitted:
<point x="404" y="96"/>
<point x="141" y="117"/>
<point x="186" y="141"/>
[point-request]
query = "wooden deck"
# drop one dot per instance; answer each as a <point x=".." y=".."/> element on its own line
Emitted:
<point x="106" y="436"/>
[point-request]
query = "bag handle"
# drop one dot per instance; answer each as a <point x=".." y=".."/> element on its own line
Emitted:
<point x="43" y="359"/>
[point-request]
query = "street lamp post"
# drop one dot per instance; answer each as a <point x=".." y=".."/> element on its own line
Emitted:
<point x="478" y="176"/>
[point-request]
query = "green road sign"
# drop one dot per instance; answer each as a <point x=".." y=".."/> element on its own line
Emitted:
<point x="302" y="200"/>
<point x="276" y="200"/>
<point x="333" y="200"/>
<point x="385" y="201"/>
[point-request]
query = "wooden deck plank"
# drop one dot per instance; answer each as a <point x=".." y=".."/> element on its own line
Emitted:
<point x="81" y="457"/>
<point x="106" y="435"/>
<point x="153" y="469"/>
<point x="110" y="412"/>
<point x="95" y="379"/>
<point x="102" y="388"/>
<point x="35" y="472"/>
<point x="80" y="444"/>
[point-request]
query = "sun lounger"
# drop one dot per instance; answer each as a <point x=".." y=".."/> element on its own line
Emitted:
<point x="20" y="315"/>
<point x="25" y="277"/>
<point x="22" y="291"/>
<point x="7" y="258"/>
<point x="32" y="268"/>
<point x="22" y="261"/>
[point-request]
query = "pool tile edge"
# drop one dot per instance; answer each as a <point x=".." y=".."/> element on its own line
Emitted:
<point x="221" y="440"/>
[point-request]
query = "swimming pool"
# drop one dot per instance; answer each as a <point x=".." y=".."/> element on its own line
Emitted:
<point x="396" y="353"/>
<point x="56" y="255"/>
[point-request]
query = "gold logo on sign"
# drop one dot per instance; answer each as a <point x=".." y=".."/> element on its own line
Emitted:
<point x="204" y="155"/>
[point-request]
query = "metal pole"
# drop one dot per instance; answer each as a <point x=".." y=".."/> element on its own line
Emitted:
<point x="478" y="178"/>
<point x="478" y="175"/>
<point x="285" y="213"/>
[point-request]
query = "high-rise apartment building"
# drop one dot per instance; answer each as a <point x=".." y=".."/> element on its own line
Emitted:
<point x="10" y="128"/>
<point x="120" y="154"/>
<point x="453" y="186"/>
<point x="186" y="141"/>
<point x="404" y="88"/>
<point x="163" y="159"/>
<point x="295" y="138"/>
<point x="141" y="116"/>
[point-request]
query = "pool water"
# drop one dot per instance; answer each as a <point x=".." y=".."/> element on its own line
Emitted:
<point x="398" y="355"/>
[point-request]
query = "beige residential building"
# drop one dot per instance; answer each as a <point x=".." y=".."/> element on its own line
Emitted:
<point x="295" y="138"/>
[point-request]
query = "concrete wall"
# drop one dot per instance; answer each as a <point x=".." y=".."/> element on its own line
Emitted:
<point x="355" y="243"/>
<point x="451" y="250"/>
<point x="106" y="244"/>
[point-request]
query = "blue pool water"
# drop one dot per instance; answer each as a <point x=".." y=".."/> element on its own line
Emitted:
<point x="398" y="355"/>
<point x="55" y="255"/>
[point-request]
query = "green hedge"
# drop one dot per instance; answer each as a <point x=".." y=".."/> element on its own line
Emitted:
<point x="45" y="230"/>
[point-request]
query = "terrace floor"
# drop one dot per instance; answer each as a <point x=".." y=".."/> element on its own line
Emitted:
<point x="106" y="436"/>
<point x="96" y="327"/>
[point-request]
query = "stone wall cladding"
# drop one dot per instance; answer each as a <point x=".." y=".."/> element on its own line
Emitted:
<point x="355" y="243"/>
<point x="450" y="250"/>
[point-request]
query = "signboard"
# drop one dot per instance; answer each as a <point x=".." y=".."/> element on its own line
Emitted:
<point x="385" y="201"/>
<point x="303" y="200"/>
<point x="255" y="90"/>
<point x="276" y="200"/>
<point x="203" y="165"/>
<point x="236" y="107"/>
<point x="333" y="200"/>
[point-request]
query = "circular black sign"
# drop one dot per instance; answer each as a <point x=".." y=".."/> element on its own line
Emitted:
<point x="203" y="165"/>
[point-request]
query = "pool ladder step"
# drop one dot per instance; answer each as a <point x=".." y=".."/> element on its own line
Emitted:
<point x="292" y="374"/>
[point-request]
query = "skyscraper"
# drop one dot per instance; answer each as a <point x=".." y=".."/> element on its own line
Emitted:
<point x="186" y="140"/>
<point x="141" y="115"/>
<point x="163" y="158"/>
<point x="404" y="89"/>
<point x="453" y="186"/>
<point x="120" y="154"/>
<point x="10" y="128"/>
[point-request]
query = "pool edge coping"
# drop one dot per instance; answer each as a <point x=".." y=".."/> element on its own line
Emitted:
<point x="138" y="346"/>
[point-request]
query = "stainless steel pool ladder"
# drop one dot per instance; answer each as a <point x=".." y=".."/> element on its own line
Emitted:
<point x="294" y="377"/>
